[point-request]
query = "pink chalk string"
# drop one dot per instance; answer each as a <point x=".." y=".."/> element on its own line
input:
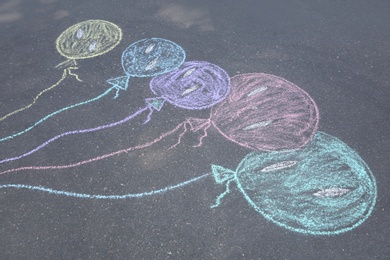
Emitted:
<point x="180" y="136"/>
<point x="203" y="136"/>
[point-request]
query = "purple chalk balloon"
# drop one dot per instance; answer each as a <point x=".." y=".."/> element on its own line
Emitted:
<point x="194" y="85"/>
<point x="265" y="112"/>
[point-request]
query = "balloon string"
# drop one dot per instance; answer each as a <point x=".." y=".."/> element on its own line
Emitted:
<point x="218" y="201"/>
<point x="64" y="74"/>
<point x="66" y="63"/>
<point x="116" y="92"/>
<point x="74" y="74"/>
<point x="180" y="136"/>
<point x="59" y="167"/>
<point x="107" y="197"/>
<point x="81" y="131"/>
<point x="55" y="113"/>
<point x="203" y="136"/>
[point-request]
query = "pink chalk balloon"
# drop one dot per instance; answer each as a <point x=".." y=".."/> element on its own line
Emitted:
<point x="263" y="112"/>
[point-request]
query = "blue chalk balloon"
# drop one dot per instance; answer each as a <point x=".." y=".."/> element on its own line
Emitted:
<point x="147" y="58"/>
<point x="324" y="188"/>
<point x="151" y="57"/>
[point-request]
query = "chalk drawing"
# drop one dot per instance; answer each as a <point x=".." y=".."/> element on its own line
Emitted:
<point x="208" y="75"/>
<point x="86" y="40"/>
<point x="66" y="72"/>
<point x="98" y="158"/>
<point x="263" y="112"/>
<point x="74" y="132"/>
<point x="300" y="179"/>
<point x="148" y="58"/>
<point x="195" y="85"/>
<point x="55" y="113"/>
<point x="163" y="51"/>
<point x="173" y="93"/>
<point x="104" y="197"/>
<point x="323" y="188"/>
<point x="72" y="45"/>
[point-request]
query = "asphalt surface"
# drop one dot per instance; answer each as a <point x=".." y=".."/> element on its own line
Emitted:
<point x="336" y="51"/>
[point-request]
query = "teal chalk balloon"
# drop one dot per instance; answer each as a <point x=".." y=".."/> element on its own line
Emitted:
<point x="324" y="188"/>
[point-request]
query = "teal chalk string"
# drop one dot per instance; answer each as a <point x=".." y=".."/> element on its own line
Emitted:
<point x="227" y="191"/>
<point x="57" y="112"/>
<point x="106" y="197"/>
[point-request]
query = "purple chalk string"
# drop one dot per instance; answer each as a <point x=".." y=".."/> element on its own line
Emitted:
<point x="82" y="131"/>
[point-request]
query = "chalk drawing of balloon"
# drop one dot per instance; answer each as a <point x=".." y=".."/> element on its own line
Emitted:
<point x="195" y="85"/>
<point x="324" y="188"/>
<point x="263" y="112"/>
<point x="145" y="58"/>
<point x="81" y="41"/>
<point x="87" y="39"/>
